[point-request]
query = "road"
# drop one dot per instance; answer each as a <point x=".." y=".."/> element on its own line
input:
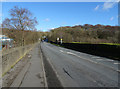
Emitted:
<point x="77" y="69"/>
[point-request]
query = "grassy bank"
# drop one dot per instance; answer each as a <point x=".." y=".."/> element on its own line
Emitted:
<point x="117" y="44"/>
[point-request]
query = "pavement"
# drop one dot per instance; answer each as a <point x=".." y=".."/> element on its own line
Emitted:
<point x="32" y="75"/>
<point x="77" y="69"/>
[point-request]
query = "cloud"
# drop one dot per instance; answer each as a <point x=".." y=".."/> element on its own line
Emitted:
<point x="109" y="4"/>
<point x="97" y="7"/>
<point x="52" y="28"/>
<point x="47" y="19"/>
<point x="3" y="0"/>
<point x="111" y="18"/>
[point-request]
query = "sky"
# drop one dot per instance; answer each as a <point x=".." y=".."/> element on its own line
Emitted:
<point x="60" y="0"/>
<point x="55" y="14"/>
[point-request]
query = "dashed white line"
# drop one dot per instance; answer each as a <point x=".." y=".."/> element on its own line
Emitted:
<point x="118" y="70"/>
<point x="71" y="53"/>
<point x="105" y="60"/>
<point x="61" y="51"/>
<point x="81" y="57"/>
<point x="92" y="60"/>
<point x="109" y="60"/>
<point x="95" y="57"/>
<point x="116" y="63"/>
<point x="99" y="59"/>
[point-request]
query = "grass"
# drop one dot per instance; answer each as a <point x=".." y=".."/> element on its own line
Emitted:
<point x="82" y="42"/>
<point x="117" y="44"/>
<point x="111" y="44"/>
<point x="99" y="43"/>
<point x="114" y="44"/>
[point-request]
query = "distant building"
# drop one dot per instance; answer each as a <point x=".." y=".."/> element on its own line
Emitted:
<point x="5" y="42"/>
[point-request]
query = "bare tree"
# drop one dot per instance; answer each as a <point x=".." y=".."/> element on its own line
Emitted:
<point x="6" y="23"/>
<point x="21" y="19"/>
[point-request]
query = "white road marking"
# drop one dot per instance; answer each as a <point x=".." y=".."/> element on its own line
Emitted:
<point x="95" y="57"/>
<point x="54" y="69"/>
<point x="61" y="51"/>
<point x="116" y="63"/>
<point x="105" y="60"/>
<point x="93" y="61"/>
<point x="109" y="60"/>
<point x="81" y="57"/>
<point x="71" y="53"/>
<point x="99" y="59"/>
<point x="118" y="70"/>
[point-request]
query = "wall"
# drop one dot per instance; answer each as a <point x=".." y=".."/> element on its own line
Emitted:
<point x="12" y="56"/>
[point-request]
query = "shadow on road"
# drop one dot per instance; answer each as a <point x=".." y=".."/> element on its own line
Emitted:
<point x="108" y="51"/>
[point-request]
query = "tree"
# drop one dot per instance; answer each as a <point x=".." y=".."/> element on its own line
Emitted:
<point x="6" y="23"/>
<point x="21" y="19"/>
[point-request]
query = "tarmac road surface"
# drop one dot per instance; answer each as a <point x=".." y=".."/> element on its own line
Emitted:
<point x="77" y="69"/>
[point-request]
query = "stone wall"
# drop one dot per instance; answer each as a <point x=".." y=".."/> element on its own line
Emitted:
<point x="12" y="56"/>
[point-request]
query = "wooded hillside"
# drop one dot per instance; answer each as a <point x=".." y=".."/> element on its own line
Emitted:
<point x="86" y="33"/>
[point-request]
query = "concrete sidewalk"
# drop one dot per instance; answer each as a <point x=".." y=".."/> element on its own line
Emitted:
<point x="32" y="74"/>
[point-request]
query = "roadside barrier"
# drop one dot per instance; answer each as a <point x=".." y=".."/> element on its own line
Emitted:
<point x="13" y="56"/>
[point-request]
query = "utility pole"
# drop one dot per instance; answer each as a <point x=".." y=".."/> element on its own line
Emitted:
<point x="22" y="37"/>
<point x="61" y="39"/>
